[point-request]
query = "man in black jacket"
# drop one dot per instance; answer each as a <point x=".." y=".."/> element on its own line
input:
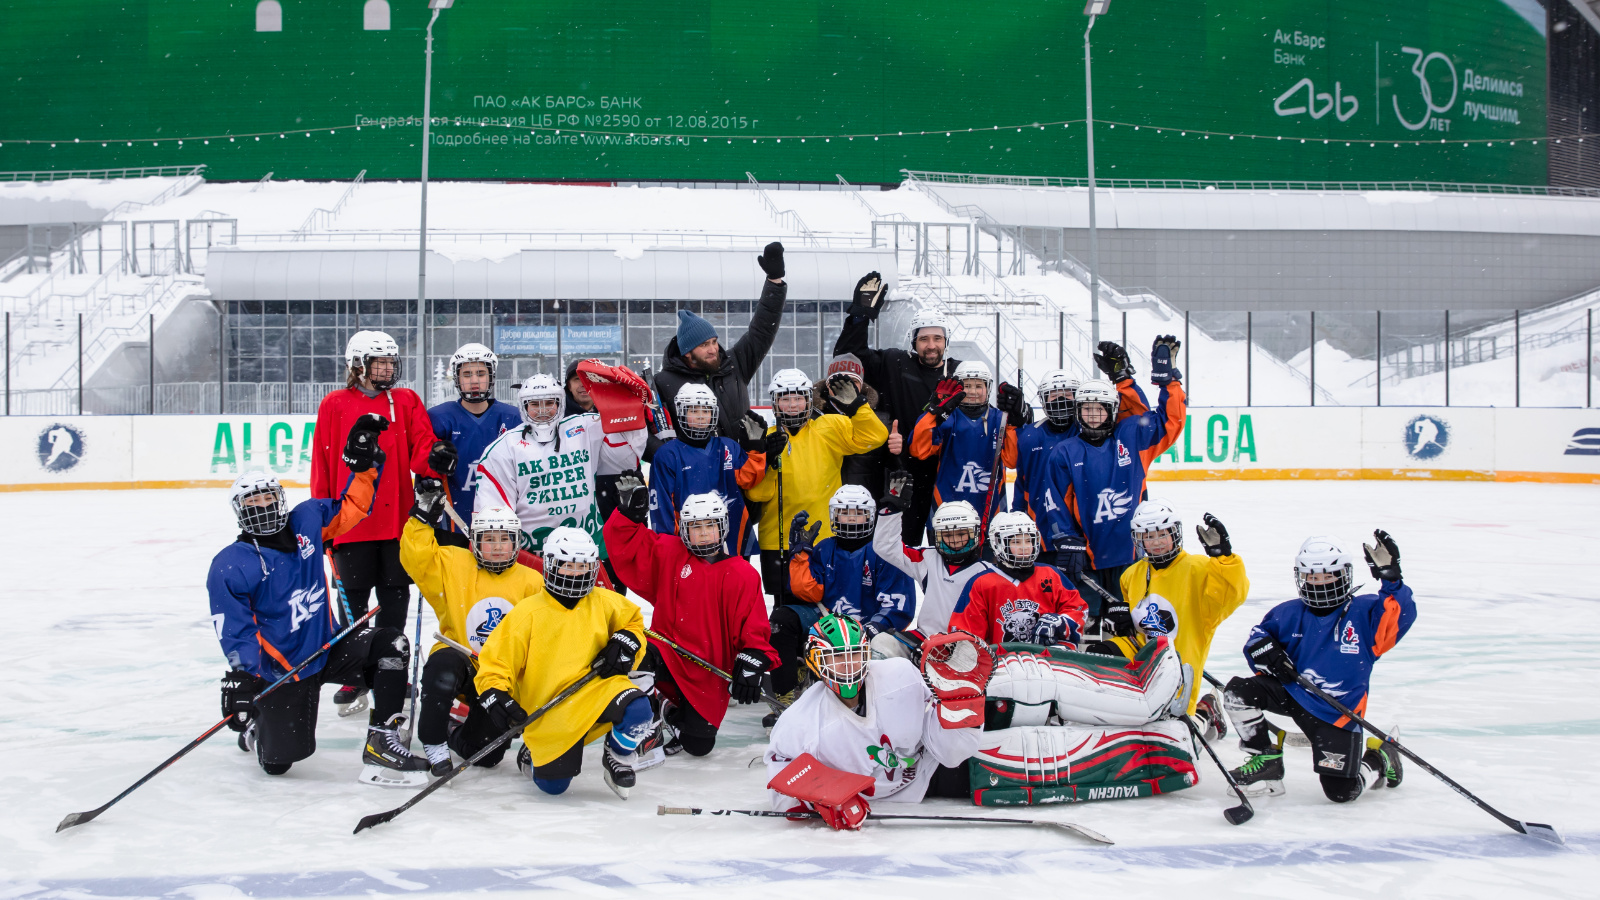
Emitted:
<point x="904" y="380"/>
<point x="726" y="372"/>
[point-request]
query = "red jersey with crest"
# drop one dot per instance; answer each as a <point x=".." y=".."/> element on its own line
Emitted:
<point x="998" y="608"/>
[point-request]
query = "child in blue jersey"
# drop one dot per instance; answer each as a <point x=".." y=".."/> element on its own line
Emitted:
<point x="974" y="442"/>
<point x="700" y="461"/>
<point x="270" y="607"/>
<point x="846" y="575"/>
<point x="1092" y="481"/>
<point x="1034" y="442"/>
<point x="465" y="427"/>
<point x="1332" y="636"/>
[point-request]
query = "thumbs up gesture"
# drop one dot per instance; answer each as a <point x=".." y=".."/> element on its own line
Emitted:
<point x="896" y="442"/>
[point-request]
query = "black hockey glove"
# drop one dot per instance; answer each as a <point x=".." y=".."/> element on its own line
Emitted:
<point x="1072" y="560"/>
<point x="1116" y="614"/>
<point x="1269" y="658"/>
<point x="801" y="537"/>
<point x="776" y="440"/>
<point x="897" y="499"/>
<point x="1113" y="360"/>
<point x="633" y="498"/>
<point x="1383" y="559"/>
<point x="771" y="261"/>
<point x="442" y="458"/>
<point x="868" y="300"/>
<point x="361" y="447"/>
<point x="504" y="713"/>
<point x="1053" y="629"/>
<point x="1214" y="536"/>
<point x="430" y="500"/>
<point x="1162" y="353"/>
<point x="617" y="657"/>
<point x="753" y="433"/>
<point x="239" y="690"/>
<point x="748" y="667"/>
<point x="844" y="395"/>
<point x="1011" y="403"/>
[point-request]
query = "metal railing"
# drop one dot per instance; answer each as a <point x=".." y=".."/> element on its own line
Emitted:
<point x="1183" y="184"/>
<point x="320" y="217"/>
<point x="102" y="174"/>
<point x="192" y="178"/>
<point x="600" y="239"/>
<point x="788" y="218"/>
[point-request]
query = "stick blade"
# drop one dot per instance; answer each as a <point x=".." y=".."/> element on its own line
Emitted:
<point x="1080" y="831"/>
<point x="375" y="819"/>
<point x="1542" y="832"/>
<point x="1238" y="815"/>
<point x="78" y="818"/>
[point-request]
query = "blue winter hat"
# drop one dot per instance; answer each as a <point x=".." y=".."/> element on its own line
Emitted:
<point x="692" y="331"/>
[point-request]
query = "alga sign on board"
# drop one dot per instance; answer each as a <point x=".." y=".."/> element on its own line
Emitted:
<point x="1340" y="82"/>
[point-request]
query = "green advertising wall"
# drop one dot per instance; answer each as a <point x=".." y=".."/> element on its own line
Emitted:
<point x="725" y="79"/>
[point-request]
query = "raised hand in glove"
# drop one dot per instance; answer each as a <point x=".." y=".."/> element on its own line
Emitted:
<point x="1268" y="657"/>
<point x="442" y="458"/>
<point x="1117" y="615"/>
<point x="430" y="500"/>
<point x="1214" y="537"/>
<point x="897" y="499"/>
<point x="771" y="261"/>
<point x="633" y="498"/>
<point x="956" y="666"/>
<point x="776" y="440"/>
<point x="844" y="394"/>
<point x="239" y="690"/>
<point x="504" y="713"/>
<point x="361" y="447"/>
<point x="1162" y="353"/>
<point x="1113" y="360"/>
<point x="802" y="538"/>
<point x="947" y="395"/>
<point x="868" y="299"/>
<point x="617" y="656"/>
<point x="1383" y="559"/>
<point x="748" y="667"/>
<point x="1011" y="403"/>
<point x="752" y="433"/>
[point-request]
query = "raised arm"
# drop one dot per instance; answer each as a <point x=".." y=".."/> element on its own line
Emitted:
<point x="751" y="349"/>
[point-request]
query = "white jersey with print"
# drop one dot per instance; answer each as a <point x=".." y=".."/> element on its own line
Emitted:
<point x="941" y="588"/>
<point x="550" y="485"/>
<point x="896" y="739"/>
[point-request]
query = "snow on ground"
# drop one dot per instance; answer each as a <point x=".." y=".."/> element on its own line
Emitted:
<point x="113" y="665"/>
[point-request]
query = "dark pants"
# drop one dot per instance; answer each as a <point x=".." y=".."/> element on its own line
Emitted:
<point x="446" y="674"/>
<point x="695" y="731"/>
<point x="1335" y="752"/>
<point x="790" y="625"/>
<point x="286" y="719"/>
<point x="914" y="524"/>
<point x="775" y="578"/>
<point x="568" y="764"/>
<point x="365" y="566"/>
<point x="1109" y="579"/>
<point x="951" y="781"/>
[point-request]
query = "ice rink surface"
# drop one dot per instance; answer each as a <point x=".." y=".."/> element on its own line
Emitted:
<point x="112" y="664"/>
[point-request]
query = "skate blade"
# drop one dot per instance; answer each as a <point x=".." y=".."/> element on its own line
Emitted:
<point x="1264" y="789"/>
<point x="382" y="776"/>
<point x="617" y="789"/>
<point x="346" y="710"/>
<point x="649" y="759"/>
<point x="1296" y="739"/>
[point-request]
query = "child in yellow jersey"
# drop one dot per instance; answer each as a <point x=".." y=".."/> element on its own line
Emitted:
<point x="544" y="646"/>
<point x="471" y="591"/>
<point x="1186" y="597"/>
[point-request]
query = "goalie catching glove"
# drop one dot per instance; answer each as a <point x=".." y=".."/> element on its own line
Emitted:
<point x="620" y="395"/>
<point x="835" y="795"/>
<point x="957" y="667"/>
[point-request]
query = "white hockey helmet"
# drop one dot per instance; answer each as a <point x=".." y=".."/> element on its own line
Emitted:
<point x="1006" y="526"/>
<point x="541" y="387"/>
<point x="1153" y="517"/>
<point x="571" y="548"/>
<point x="473" y="353"/>
<point x="952" y="518"/>
<point x="927" y="318"/>
<point x="495" y="520"/>
<point x="1056" y="393"/>
<point x="852" y="498"/>
<point x="699" y="509"/>
<point x="365" y="346"/>
<point x="696" y="396"/>
<point x="1097" y="390"/>
<point x="972" y="370"/>
<point x="784" y="383"/>
<point x="259" y="517"/>
<point x="1319" y="558"/>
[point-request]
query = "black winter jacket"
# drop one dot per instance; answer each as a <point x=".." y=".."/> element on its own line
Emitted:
<point x="731" y="383"/>
<point x="903" y="383"/>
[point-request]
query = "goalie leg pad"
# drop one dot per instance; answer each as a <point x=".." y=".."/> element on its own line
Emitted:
<point x="1089" y="688"/>
<point x="1030" y="765"/>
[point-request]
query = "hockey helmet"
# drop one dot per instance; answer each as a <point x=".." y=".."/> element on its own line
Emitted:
<point x="696" y="396"/>
<point x="1324" y="572"/>
<point x="259" y="504"/>
<point x="571" y="563"/>
<point x="836" y="652"/>
<point x="473" y="353"/>
<point x="1154" y="517"/>
<point x="1003" y="529"/>
<point x="847" y="500"/>
<point x="699" y="509"/>
<point x="495" y="555"/>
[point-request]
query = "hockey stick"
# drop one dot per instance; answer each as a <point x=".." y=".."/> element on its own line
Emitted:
<point x="380" y="818"/>
<point x="78" y="818"/>
<point x="457" y="645"/>
<point x="1292" y="739"/>
<point x="1078" y="830"/>
<point x="1236" y="815"/>
<point x="1532" y="829"/>
<point x="771" y="699"/>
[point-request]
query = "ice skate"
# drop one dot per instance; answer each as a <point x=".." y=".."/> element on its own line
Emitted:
<point x="350" y="700"/>
<point x="386" y="762"/>
<point x="1261" y="774"/>
<point x="617" y="770"/>
<point x="1381" y="764"/>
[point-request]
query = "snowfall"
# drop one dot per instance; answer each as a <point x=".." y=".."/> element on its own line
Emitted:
<point x="114" y="666"/>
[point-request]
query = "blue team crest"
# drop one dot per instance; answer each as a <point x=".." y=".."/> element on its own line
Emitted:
<point x="1426" y="437"/>
<point x="60" y="447"/>
<point x="484" y="617"/>
<point x="1154" y="615"/>
<point x="1123" y="457"/>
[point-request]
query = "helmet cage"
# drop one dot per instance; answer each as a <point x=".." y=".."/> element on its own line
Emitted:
<point x="1330" y="594"/>
<point x="1175" y="528"/>
<point x="492" y="566"/>
<point x="262" y="520"/>
<point x="694" y="400"/>
<point x="704" y="551"/>
<point x="837" y="653"/>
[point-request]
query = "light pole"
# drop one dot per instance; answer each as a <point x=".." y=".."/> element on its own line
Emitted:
<point x="1094" y="10"/>
<point x="422" y="231"/>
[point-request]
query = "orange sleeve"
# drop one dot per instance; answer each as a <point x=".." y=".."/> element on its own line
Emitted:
<point x="750" y="474"/>
<point x="1132" y="401"/>
<point x="1176" y="409"/>
<point x="1008" y="448"/>
<point x="801" y="584"/>
<point x="922" y="437"/>
<point x="1388" y="627"/>
<point x="354" y="505"/>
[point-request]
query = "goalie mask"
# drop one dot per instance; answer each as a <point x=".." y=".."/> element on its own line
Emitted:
<point x="836" y="652"/>
<point x="697" y="411"/>
<point x="703" y="510"/>
<point x="259" y="504"/>
<point x="366" y="346"/>
<point x="495" y="532"/>
<point x="1102" y="395"/>
<point x="956" y="529"/>
<point x="571" y="564"/>
<point x="1056" y="395"/>
<point x="973" y="376"/>
<point x="468" y="354"/>
<point x="1324" y="572"/>
<point x="852" y="513"/>
<point x="1151" y="520"/>
<point x="541" y="398"/>
<point x="789" y="383"/>
<point x="1015" y="540"/>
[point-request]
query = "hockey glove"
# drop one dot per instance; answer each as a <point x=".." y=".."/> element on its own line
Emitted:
<point x="1161" y="354"/>
<point x="1117" y="615"/>
<point x="897" y="499"/>
<point x="442" y="458"/>
<point x="617" y="657"/>
<point x="844" y="395"/>
<point x="868" y="300"/>
<point x="802" y="538"/>
<point x="776" y="440"/>
<point x="239" y="690"/>
<point x="361" y="447"/>
<point x="748" y="668"/>
<point x="753" y="433"/>
<point x="1011" y="403"/>
<point x="957" y="667"/>
<point x="430" y="500"/>
<point x="1055" y="629"/>
<point x="1383" y="559"/>
<point x="1214" y="537"/>
<point x="633" y="498"/>
<point x="1268" y="657"/>
<point x="1113" y="360"/>
<point x="1072" y="559"/>
<point x="504" y="713"/>
<point x="771" y="261"/>
<point x="847" y="816"/>
<point x="947" y="395"/>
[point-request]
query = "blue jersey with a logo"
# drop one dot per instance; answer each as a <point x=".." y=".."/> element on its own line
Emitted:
<point x="1087" y="494"/>
<point x="1336" y="652"/>
<point x="471" y="435"/>
<point x="859" y="584"/>
<point x="1034" y="444"/>
<point x="967" y="450"/>
<point x="271" y="609"/>
<point x="679" y="470"/>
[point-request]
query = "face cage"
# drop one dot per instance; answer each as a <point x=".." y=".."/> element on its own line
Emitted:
<point x="1061" y="410"/>
<point x="968" y="552"/>
<point x="988" y="390"/>
<point x="1004" y="554"/>
<point x="1176" y="530"/>
<point x="366" y="367"/>
<point x="474" y="396"/>
<point x="820" y="658"/>
<point x="262" y="520"/>
<point x="791" y="420"/>
<point x="704" y="552"/>
<point x="554" y="417"/>
<point x="696" y="432"/>
<point x="493" y="567"/>
<point x="569" y="587"/>
<point x="1325" y="596"/>
<point x="1104" y="429"/>
<point x="851" y="531"/>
